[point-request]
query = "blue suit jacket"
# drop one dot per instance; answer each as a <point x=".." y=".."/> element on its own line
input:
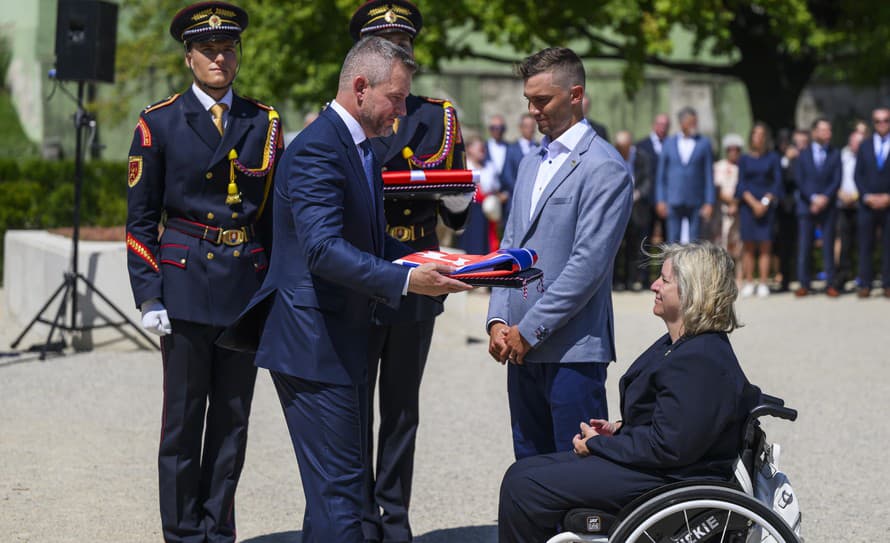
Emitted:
<point x="327" y="266"/>
<point x="869" y="179"/>
<point x="811" y="180"/>
<point x="684" y="408"/>
<point x="576" y="229"/>
<point x="690" y="184"/>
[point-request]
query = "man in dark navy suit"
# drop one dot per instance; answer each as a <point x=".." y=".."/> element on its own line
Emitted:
<point x="427" y="137"/>
<point x="516" y="151"/>
<point x="204" y="160"/>
<point x="327" y="275"/>
<point x="818" y="172"/>
<point x="873" y="182"/>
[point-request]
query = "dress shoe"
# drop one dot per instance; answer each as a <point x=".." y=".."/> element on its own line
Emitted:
<point x="863" y="292"/>
<point x="887" y="293"/>
<point x="832" y="292"/>
<point x="801" y="292"/>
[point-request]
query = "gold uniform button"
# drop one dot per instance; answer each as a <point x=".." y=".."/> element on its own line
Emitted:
<point x="210" y="216"/>
<point x="236" y="253"/>
<point x="407" y="212"/>
<point x="182" y="261"/>
<point x="209" y="256"/>
<point x="209" y="175"/>
<point x="234" y="214"/>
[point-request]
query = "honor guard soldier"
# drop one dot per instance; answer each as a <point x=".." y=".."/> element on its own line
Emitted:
<point x="428" y="137"/>
<point x="198" y="234"/>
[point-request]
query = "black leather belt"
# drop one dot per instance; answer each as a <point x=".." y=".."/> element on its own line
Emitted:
<point x="213" y="234"/>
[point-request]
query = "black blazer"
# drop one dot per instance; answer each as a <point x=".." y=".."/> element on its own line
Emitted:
<point x="684" y="408"/>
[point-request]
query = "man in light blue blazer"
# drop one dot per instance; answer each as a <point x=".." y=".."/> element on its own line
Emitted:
<point x="571" y="204"/>
<point x="684" y="182"/>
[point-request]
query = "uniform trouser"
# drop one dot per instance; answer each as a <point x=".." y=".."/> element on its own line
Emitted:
<point x="537" y="492"/>
<point x="326" y="427"/>
<point x="197" y="488"/>
<point x="549" y="401"/>
<point x="806" y="226"/>
<point x="400" y="352"/>
<point x="869" y="220"/>
<point x="675" y="217"/>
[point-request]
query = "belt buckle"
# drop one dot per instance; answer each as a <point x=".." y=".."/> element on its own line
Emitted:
<point x="233" y="237"/>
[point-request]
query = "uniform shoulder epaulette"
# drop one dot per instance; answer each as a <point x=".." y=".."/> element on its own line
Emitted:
<point x="163" y="103"/>
<point x="258" y="104"/>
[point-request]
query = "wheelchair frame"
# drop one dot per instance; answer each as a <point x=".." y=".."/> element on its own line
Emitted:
<point x="730" y="508"/>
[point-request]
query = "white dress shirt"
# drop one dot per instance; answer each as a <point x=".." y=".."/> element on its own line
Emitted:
<point x="685" y="146"/>
<point x="497" y="153"/>
<point x="358" y="136"/>
<point x="527" y="145"/>
<point x="207" y="102"/>
<point x="553" y="155"/>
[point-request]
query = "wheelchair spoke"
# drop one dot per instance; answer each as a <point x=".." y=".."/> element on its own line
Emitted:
<point x="686" y="518"/>
<point x="649" y="536"/>
<point x="725" y="526"/>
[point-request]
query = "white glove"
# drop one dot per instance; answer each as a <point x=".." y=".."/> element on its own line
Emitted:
<point x="457" y="203"/>
<point x="154" y="317"/>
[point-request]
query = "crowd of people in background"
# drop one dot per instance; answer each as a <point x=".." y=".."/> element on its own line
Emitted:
<point x="789" y="207"/>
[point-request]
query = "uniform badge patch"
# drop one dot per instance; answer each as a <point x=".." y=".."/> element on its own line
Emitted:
<point x="134" y="171"/>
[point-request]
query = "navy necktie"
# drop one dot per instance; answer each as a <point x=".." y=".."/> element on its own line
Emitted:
<point x="368" y="165"/>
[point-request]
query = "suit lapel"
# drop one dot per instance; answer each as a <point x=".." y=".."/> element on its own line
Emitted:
<point x="358" y="171"/>
<point x="199" y="120"/>
<point x="238" y="124"/>
<point x="571" y="162"/>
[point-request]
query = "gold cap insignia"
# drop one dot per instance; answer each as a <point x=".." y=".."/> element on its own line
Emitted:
<point x="214" y="21"/>
<point x="390" y="16"/>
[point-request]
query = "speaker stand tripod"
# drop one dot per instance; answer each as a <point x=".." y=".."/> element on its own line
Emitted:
<point x="68" y="289"/>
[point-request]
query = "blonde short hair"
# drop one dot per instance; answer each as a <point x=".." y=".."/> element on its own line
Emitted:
<point x="705" y="276"/>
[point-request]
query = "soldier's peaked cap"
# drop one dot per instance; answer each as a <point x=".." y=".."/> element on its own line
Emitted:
<point x="208" y="20"/>
<point x="376" y="16"/>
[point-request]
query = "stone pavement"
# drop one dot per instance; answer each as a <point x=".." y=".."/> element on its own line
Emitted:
<point x="78" y="434"/>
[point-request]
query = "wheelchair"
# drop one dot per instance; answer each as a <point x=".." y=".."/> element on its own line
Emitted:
<point x="695" y="511"/>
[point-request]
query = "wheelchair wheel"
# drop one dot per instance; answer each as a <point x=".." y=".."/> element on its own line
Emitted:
<point x="695" y="514"/>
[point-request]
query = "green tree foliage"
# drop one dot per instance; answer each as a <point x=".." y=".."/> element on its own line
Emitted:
<point x="293" y="50"/>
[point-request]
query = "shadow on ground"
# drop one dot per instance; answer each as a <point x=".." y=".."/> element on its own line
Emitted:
<point x="464" y="534"/>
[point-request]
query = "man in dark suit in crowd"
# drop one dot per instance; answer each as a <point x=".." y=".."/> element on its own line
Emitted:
<point x="516" y="151"/>
<point x="651" y="145"/>
<point x="818" y="175"/>
<point x="847" y="210"/>
<point x="328" y="272"/>
<point x="684" y="183"/>
<point x="631" y="255"/>
<point x="204" y="161"/>
<point x="427" y="137"/>
<point x="873" y="181"/>
<point x="600" y="129"/>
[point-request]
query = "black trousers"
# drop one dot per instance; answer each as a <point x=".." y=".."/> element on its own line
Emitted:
<point x="869" y="221"/>
<point x="538" y="491"/>
<point x="846" y="233"/>
<point x="398" y="353"/>
<point x="202" y="381"/>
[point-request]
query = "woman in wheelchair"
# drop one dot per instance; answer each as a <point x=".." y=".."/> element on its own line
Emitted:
<point x="684" y="404"/>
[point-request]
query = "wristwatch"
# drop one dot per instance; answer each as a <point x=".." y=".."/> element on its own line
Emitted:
<point x="765" y="200"/>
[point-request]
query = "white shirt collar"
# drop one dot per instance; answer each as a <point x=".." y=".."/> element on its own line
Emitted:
<point x="207" y="101"/>
<point x="355" y="129"/>
<point x="568" y="140"/>
<point x="879" y="140"/>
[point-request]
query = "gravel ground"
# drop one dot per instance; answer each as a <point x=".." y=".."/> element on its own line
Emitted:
<point x="78" y="434"/>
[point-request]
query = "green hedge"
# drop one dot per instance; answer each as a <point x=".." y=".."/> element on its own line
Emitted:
<point x="40" y="194"/>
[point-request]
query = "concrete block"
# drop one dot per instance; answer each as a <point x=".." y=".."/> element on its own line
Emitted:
<point x="35" y="262"/>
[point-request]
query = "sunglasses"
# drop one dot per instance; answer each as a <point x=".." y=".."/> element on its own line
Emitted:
<point x="496" y="127"/>
<point x="881" y="121"/>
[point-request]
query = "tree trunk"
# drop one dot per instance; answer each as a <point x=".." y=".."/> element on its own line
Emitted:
<point x="773" y="78"/>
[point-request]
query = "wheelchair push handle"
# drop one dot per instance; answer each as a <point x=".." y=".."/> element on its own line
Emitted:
<point x="774" y="407"/>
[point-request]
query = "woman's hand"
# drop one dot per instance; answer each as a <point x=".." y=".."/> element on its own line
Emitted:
<point x="580" y="440"/>
<point x="604" y="427"/>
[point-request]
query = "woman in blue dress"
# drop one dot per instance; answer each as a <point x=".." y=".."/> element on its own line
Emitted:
<point x="758" y="189"/>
